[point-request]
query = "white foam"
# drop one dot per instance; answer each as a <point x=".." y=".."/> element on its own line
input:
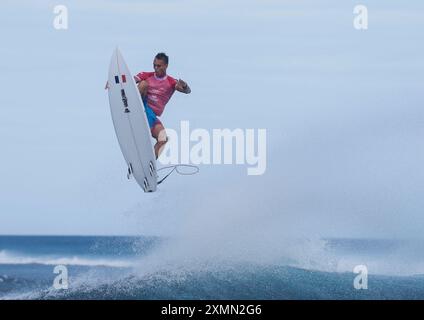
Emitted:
<point x="388" y="265"/>
<point x="7" y="257"/>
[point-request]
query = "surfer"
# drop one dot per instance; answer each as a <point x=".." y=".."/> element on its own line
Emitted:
<point x="156" y="88"/>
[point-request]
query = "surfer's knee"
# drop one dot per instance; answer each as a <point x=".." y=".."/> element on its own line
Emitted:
<point x="142" y="87"/>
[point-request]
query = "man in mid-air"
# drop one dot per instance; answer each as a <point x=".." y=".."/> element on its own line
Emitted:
<point x="156" y="88"/>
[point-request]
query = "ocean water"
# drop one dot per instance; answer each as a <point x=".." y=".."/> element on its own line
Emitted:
<point x="154" y="268"/>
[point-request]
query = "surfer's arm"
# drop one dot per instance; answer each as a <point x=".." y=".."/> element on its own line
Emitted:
<point x="182" y="86"/>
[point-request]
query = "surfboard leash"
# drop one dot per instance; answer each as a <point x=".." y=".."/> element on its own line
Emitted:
<point x="175" y="168"/>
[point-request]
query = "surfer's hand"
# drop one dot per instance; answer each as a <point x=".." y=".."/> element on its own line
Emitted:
<point x="182" y="86"/>
<point x="107" y="85"/>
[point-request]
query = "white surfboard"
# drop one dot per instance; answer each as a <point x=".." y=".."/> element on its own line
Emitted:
<point x="130" y="122"/>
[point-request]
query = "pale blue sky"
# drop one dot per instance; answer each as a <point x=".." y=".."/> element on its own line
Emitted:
<point x="343" y="111"/>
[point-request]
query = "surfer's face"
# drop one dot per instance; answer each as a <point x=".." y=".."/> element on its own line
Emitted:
<point x="160" y="68"/>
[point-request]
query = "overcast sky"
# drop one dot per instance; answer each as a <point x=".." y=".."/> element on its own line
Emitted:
<point x="343" y="110"/>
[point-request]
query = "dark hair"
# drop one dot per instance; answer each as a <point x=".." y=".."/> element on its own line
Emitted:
<point x="162" y="56"/>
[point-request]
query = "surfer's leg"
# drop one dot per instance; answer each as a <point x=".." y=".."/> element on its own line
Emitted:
<point x="159" y="133"/>
<point x="142" y="87"/>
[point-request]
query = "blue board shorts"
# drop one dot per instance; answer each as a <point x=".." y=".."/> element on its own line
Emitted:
<point x="151" y="116"/>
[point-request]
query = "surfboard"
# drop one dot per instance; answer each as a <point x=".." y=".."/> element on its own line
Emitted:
<point x="130" y="122"/>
